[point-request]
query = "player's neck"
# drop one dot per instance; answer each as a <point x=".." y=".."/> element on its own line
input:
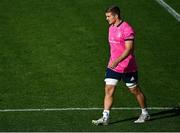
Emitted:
<point x="118" y="21"/>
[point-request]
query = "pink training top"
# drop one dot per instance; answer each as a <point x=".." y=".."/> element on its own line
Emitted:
<point x="117" y="37"/>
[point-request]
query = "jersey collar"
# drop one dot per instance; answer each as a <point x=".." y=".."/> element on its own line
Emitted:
<point x="120" y="23"/>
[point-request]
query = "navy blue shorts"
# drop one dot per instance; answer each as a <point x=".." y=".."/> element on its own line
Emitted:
<point x="112" y="77"/>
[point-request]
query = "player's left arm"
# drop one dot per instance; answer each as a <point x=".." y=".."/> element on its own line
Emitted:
<point x="129" y="47"/>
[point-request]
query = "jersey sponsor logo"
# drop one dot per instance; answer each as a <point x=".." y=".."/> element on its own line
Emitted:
<point x="112" y="41"/>
<point x="119" y="34"/>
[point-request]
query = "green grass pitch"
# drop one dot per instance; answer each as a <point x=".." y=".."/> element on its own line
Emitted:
<point x="53" y="54"/>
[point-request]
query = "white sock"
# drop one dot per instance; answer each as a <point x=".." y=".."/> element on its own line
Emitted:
<point x="106" y="114"/>
<point x="144" y="111"/>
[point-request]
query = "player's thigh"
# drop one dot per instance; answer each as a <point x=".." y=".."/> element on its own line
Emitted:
<point x="111" y="80"/>
<point x="110" y="89"/>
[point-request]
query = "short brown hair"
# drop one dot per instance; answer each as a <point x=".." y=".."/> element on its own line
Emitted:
<point x="114" y="10"/>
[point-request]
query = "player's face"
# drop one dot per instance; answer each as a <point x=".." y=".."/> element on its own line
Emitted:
<point x="110" y="18"/>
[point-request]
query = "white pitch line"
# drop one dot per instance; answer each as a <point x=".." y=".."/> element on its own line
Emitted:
<point x="169" y="9"/>
<point x="81" y="109"/>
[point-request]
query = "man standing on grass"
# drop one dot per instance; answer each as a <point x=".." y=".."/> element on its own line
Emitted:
<point x="121" y="66"/>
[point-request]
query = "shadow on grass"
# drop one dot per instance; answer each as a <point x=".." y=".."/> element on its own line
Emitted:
<point x="165" y="114"/>
<point x="155" y="116"/>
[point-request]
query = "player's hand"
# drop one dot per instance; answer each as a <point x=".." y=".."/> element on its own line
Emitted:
<point x="113" y="64"/>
